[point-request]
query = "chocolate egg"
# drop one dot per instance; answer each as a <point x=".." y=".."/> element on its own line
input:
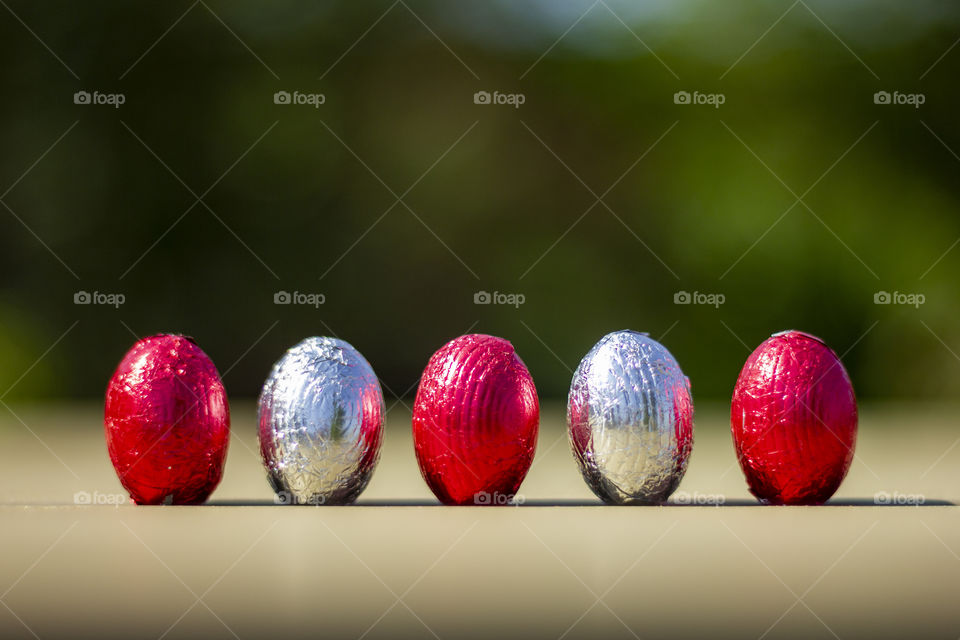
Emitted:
<point x="794" y="420"/>
<point x="630" y="419"/>
<point x="475" y="421"/>
<point x="321" y="418"/>
<point x="167" y="422"/>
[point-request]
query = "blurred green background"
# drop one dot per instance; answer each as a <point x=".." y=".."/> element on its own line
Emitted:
<point x="299" y="198"/>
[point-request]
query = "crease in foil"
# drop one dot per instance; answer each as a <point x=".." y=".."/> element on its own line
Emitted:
<point x="321" y="416"/>
<point x="630" y="419"/>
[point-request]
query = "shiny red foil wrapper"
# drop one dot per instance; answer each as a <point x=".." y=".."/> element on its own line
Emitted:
<point x="794" y="420"/>
<point x="475" y="421"/>
<point x="167" y="422"/>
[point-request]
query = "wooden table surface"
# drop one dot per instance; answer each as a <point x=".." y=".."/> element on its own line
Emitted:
<point x="560" y="566"/>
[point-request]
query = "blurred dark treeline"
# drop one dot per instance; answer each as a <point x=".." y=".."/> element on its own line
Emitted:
<point x="298" y="198"/>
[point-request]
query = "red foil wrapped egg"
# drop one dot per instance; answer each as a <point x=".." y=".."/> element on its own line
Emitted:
<point x="167" y="422"/>
<point x="794" y="420"/>
<point x="475" y="421"/>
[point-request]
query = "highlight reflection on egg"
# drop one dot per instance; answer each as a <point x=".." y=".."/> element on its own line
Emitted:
<point x="794" y="420"/>
<point x="321" y="416"/>
<point x="630" y="419"/>
<point x="167" y="422"/>
<point x="475" y="421"/>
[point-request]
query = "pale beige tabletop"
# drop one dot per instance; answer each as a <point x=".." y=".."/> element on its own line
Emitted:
<point x="561" y="565"/>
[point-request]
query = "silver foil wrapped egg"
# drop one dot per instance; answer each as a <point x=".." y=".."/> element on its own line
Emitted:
<point x="321" y="418"/>
<point x="630" y="419"/>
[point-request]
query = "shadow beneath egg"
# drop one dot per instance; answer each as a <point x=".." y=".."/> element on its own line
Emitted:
<point x="358" y="503"/>
<point x="739" y="502"/>
<point x="846" y="502"/>
<point x="408" y="503"/>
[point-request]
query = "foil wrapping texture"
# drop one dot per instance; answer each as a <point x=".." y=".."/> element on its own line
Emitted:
<point x="321" y="416"/>
<point x="475" y="421"/>
<point x="794" y="420"/>
<point x="167" y="422"/>
<point x="630" y="419"/>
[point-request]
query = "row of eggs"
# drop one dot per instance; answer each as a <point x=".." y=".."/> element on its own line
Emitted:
<point x="476" y="419"/>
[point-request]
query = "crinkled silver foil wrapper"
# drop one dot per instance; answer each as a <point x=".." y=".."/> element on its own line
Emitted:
<point x="630" y="419"/>
<point x="321" y="416"/>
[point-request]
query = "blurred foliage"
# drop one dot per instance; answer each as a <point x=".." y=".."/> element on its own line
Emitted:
<point x="293" y="198"/>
